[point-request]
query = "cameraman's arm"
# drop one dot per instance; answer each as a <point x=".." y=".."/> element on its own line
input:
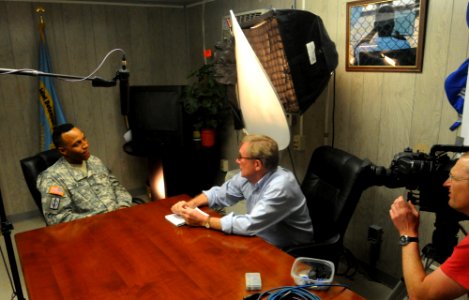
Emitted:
<point x="419" y="286"/>
<point x="435" y="285"/>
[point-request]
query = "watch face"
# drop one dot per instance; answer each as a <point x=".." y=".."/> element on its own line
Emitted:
<point x="403" y="240"/>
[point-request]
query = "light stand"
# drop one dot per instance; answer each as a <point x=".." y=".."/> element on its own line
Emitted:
<point x="6" y="227"/>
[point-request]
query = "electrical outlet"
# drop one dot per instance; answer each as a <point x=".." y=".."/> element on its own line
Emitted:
<point x="298" y="142"/>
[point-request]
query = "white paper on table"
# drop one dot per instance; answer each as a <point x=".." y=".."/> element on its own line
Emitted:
<point x="178" y="220"/>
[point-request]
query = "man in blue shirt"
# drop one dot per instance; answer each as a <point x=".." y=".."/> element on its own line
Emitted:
<point x="276" y="207"/>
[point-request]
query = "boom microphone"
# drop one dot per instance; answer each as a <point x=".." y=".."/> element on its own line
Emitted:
<point x="99" y="82"/>
<point x="123" y="75"/>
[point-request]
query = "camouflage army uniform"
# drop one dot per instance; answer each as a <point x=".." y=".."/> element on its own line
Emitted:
<point x="67" y="194"/>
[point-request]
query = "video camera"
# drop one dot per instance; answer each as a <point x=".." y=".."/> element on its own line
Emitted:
<point x="423" y="176"/>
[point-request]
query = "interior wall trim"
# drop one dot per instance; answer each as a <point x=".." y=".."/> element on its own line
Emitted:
<point x="140" y="3"/>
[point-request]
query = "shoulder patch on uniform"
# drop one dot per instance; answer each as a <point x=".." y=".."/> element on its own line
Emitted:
<point x="56" y="190"/>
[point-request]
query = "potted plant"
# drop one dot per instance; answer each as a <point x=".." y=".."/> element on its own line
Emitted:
<point x="205" y="103"/>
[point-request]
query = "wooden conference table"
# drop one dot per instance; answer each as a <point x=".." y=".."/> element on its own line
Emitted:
<point x="135" y="253"/>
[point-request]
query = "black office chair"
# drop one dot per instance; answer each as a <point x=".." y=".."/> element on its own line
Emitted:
<point x="33" y="166"/>
<point x="332" y="185"/>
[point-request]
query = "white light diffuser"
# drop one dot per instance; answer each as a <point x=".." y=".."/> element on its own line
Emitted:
<point x="262" y="111"/>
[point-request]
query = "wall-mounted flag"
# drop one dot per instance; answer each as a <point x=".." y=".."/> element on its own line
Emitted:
<point x="50" y="110"/>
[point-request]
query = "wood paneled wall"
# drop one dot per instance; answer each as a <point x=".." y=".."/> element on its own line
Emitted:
<point x="379" y="114"/>
<point x="376" y="114"/>
<point x="211" y="15"/>
<point x="79" y="36"/>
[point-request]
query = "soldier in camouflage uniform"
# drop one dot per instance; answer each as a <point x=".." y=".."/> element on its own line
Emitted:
<point x="78" y="185"/>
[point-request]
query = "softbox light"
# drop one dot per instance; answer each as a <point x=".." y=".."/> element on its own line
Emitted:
<point x="296" y="52"/>
<point x="262" y="111"/>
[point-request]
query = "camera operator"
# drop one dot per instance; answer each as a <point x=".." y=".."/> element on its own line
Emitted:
<point x="451" y="279"/>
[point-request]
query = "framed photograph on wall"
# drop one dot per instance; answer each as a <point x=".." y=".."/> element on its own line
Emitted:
<point x="385" y="35"/>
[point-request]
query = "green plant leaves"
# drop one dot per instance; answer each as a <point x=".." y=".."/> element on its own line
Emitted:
<point x="205" y="99"/>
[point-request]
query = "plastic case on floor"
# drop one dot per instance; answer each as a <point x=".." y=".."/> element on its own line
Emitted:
<point x="307" y="270"/>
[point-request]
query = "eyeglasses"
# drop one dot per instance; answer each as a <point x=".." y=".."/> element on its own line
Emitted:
<point x="239" y="157"/>
<point x="454" y="178"/>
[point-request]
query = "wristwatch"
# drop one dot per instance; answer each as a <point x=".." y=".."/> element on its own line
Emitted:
<point x="207" y="223"/>
<point x="405" y="240"/>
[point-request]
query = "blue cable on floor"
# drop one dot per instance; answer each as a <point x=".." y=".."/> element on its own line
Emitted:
<point x="294" y="291"/>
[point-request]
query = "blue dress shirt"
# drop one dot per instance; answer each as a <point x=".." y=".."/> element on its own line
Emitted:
<point x="276" y="208"/>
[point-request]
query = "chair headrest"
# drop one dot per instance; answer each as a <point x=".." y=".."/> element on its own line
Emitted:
<point x="33" y="166"/>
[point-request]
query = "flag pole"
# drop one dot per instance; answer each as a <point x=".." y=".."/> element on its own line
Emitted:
<point x="40" y="10"/>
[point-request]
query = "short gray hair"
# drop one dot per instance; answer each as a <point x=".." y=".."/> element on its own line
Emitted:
<point x="263" y="148"/>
